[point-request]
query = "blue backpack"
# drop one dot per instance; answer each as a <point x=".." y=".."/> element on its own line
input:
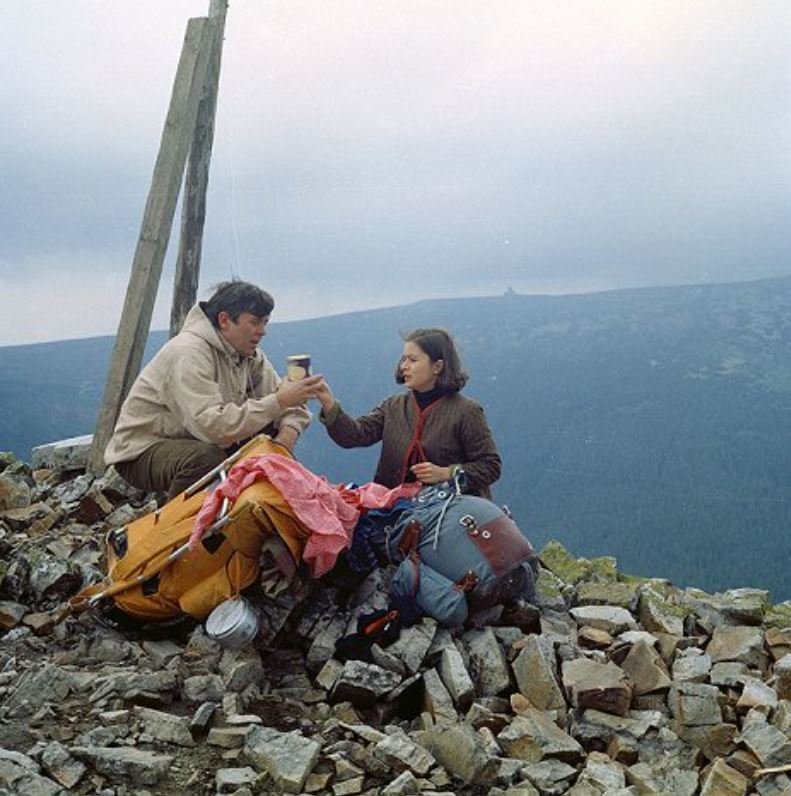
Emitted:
<point x="454" y="552"/>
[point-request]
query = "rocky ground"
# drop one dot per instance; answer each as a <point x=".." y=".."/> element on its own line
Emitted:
<point x="609" y="685"/>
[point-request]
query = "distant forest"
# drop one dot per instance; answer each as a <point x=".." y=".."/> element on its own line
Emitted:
<point x="651" y="425"/>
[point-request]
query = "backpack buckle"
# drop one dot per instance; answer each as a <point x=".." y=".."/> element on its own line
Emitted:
<point x="468" y="522"/>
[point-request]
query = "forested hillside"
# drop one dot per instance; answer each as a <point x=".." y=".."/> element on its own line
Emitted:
<point x="652" y="425"/>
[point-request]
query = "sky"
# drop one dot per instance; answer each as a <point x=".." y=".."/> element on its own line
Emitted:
<point x="381" y="152"/>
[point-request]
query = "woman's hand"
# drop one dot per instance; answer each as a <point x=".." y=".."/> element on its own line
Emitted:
<point x="324" y="394"/>
<point x="428" y="473"/>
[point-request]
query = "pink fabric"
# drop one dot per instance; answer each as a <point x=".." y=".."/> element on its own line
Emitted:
<point x="375" y="496"/>
<point x="329" y="512"/>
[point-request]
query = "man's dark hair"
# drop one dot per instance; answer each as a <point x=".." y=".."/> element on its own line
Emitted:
<point x="438" y="344"/>
<point x="236" y="297"/>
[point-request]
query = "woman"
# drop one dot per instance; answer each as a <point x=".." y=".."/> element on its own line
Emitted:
<point x="428" y="433"/>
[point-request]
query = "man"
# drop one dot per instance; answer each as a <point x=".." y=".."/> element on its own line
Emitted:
<point x="205" y="391"/>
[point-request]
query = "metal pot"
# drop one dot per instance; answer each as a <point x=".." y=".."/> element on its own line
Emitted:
<point x="233" y="623"/>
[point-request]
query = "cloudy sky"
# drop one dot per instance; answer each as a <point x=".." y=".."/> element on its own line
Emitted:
<point x="379" y="152"/>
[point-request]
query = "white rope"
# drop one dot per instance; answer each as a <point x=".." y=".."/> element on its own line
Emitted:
<point x="454" y="494"/>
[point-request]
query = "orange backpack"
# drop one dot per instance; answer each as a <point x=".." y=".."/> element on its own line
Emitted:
<point x="153" y="575"/>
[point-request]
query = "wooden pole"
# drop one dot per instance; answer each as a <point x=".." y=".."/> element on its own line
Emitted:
<point x="154" y="232"/>
<point x="193" y="213"/>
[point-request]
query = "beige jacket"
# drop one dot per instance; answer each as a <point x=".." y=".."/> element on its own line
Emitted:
<point x="198" y="387"/>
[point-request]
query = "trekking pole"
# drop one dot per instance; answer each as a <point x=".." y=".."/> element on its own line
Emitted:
<point x="219" y="470"/>
<point x="226" y="464"/>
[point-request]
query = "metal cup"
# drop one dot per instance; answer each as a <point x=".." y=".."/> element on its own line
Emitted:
<point x="298" y="366"/>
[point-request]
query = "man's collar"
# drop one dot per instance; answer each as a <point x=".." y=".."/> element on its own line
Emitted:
<point x="230" y="350"/>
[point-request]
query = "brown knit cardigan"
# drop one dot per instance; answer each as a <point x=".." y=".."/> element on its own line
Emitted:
<point x="452" y="430"/>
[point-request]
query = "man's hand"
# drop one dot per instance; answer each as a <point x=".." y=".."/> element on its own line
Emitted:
<point x="287" y="437"/>
<point x="428" y="473"/>
<point x="295" y="393"/>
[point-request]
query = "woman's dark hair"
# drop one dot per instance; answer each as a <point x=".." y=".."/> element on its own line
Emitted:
<point x="236" y="297"/>
<point x="438" y="344"/>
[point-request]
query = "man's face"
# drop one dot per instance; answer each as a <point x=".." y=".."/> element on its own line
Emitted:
<point x="244" y="334"/>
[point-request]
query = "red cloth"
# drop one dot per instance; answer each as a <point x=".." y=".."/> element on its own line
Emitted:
<point x="329" y="512"/>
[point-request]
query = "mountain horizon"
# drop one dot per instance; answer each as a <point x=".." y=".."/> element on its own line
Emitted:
<point x="507" y="292"/>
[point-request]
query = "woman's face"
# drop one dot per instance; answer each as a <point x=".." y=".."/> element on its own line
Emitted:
<point x="419" y="372"/>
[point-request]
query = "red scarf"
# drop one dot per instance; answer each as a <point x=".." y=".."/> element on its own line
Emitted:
<point x="414" y="451"/>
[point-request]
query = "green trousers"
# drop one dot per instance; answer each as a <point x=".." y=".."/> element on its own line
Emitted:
<point x="171" y="465"/>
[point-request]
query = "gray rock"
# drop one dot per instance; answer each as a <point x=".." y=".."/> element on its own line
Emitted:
<point x="203" y="688"/>
<point x="536" y="674"/>
<point x="693" y="668"/>
<point x="61" y="766"/>
<point x="329" y="674"/>
<point x="65" y="454"/>
<point x="402" y="753"/>
<point x="363" y="683"/>
<point x="729" y="673"/>
<point x="54" y="578"/>
<point x="559" y="627"/>
<point x="756" y="694"/>
<point x="11" y="614"/>
<point x="165" y="726"/>
<point x="777" y="785"/>
<point x="405" y="784"/>
<point x="461" y="750"/>
<point x="602" y="686"/>
<point x="414" y="643"/>
<point x="602" y="774"/>
<point x="21" y="781"/>
<point x="244" y="672"/>
<point x="161" y="652"/>
<point x="37" y="687"/>
<point x="34" y="520"/>
<point x="722" y="780"/>
<point x="782" y="673"/>
<point x="782" y="717"/>
<point x="645" y="669"/>
<point x="713" y="740"/>
<point x="610" y="618"/>
<point x="592" y="725"/>
<point x="228" y="737"/>
<point x="456" y="678"/>
<point x="652" y="779"/>
<point x="385" y="659"/>
<point x="16" y="492"/>
<point x="202" y="718"/>
<point x="124" y="763"/>
<point x="657" y="615"/>
<point x="229" y="780"/>
<point x="739" y="643"/>
<point x="18" y="759"/>
<point x="323" y="646"/>
<point x="767" y="743"/>
<point x="287" y="757"/>
<point x="70" y="492"/>
<point x="694" y="704"/>
<point x="551" y="777"/>
<point x="488" y="666"/>
<point x="534" y="736"/>
<point x="437" y="700"/>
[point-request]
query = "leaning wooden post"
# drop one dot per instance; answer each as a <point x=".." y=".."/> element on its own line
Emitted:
<point x="193" y="213"/>
<point x="154" y="232"/>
